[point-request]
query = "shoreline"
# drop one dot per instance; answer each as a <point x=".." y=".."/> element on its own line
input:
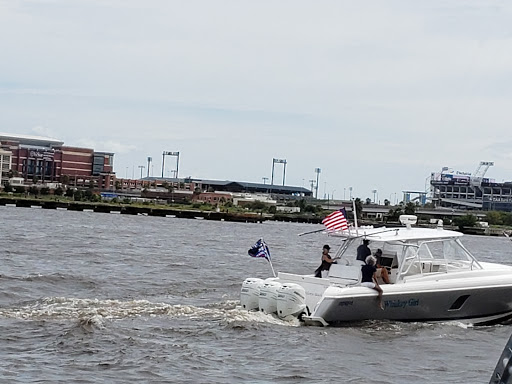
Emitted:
<point x="240" y="217"/>
<point x="80" y="206"/>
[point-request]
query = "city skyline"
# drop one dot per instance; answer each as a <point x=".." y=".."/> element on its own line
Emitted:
<point x="376" y="95"/>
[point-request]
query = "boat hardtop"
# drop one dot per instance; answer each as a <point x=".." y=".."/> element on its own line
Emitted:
<point x="397" y="234"/>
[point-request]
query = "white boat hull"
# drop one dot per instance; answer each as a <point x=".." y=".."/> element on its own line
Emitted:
<point x="478" y="300"/>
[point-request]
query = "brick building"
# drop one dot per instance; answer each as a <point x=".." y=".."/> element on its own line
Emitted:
<point x="49" y="160"/>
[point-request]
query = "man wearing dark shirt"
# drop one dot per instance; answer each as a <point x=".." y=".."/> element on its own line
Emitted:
<point x="363" y="251"/>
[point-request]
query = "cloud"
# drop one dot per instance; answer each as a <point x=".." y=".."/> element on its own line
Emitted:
<point x="105" y="146"/>
<point x="372" y="92"/>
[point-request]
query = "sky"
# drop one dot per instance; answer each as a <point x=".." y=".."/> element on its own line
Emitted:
<point x="377" y="94"/>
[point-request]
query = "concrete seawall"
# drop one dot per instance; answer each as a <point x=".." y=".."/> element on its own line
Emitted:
<point x="146" y="211"/>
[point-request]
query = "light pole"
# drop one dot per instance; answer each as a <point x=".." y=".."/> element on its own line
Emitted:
<point x="166" y="153"/>
<point x="265" y="180"/>
<point x="350" y="190"/>
<point x="150" y="159"/>
<point x="317" y="171"/>
<point x="141" y="168"/>
<point x="344" y="190"/>
<point x="332" y="194"/>
<point x="374" y="193"/>
<point x="278" y="161"/>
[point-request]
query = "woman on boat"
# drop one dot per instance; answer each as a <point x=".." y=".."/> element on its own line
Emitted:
<point x="327" y="261"/>
<point x="369" y="279"/>
<point x="382" y="272"/>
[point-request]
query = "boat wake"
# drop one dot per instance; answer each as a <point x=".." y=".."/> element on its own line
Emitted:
<point x="94" y="313"/>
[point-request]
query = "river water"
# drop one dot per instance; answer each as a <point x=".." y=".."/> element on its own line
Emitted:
<point x="104" y="298"/>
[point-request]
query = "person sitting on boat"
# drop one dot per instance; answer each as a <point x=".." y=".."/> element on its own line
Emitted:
<point x="382" y="272"/>
<point x="363" y="251"/>
<point x="327" y="261"/>
<point x="368" y="278"/>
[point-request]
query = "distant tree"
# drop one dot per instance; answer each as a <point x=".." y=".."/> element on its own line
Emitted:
<point x="410" y="208"/>
<point x="368" y="201"/>
<point x="33" y="190"/>
<point x="359" y="207"/>
<point x="386" y="202"/>
<point x="7" y="187"/>
<point x="19" y="189"/>
<point x="211" y="189"/>
<point x="394" y="214"/>
<point x="465" y="221"/>
<point x="117" y="185"/>
<point x="78" y="195"/>
<point x="44" y="191"/>
<point x="10" y="174"/>
<point x="58" y="191"/>
<point x="257" y="205"/>
<point x="64" y="179"/>
<point x="88" y="194"/>
<point x="494" y="218"/>
<point x="35" y="179"/>
<point x="69" y="192"/>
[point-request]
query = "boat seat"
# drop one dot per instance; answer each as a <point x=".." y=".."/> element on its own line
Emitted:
<point x="351" y="274"/>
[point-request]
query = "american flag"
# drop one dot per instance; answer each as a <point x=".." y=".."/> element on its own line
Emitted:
<point x="336" y="221"/>
<point x="260" y="249"/>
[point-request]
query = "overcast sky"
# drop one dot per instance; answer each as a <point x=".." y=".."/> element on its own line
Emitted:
<point x="377" y="94"/>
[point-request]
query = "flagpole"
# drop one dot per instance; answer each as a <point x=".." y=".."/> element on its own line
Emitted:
<point x="355" y="215"/>
<point x="267" y="256"/>
<point x="272" y="267"/>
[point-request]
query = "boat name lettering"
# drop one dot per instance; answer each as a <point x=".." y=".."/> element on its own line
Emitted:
<point x="401" y="303"/>
<point x="345" y="303"/>
<point x="245" y="289"/>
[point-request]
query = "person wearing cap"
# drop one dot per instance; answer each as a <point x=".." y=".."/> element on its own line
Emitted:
<point x="327" y="261"/>
<point x="363" y="251"/>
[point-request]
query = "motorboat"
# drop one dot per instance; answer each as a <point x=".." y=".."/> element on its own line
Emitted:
<point x="432" y="277"/>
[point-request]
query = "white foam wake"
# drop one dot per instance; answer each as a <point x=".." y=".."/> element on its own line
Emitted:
<point x="95" y="312"/>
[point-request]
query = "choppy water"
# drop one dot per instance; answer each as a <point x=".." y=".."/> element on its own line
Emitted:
<point x="101" y="298"/>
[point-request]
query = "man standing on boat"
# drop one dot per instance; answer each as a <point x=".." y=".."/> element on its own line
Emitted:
<point x="327" y="261"/>
<point x="363" y="251"/>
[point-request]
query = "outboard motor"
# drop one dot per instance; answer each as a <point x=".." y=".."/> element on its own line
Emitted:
<point x="268" y="296"/>
<point x="250" y="294"/>
<point x="291" y="300"/>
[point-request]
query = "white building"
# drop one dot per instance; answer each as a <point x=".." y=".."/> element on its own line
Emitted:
<point x="5" y="165"/>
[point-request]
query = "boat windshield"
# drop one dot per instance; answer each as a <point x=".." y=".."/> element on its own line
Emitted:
<point x="435" y="256"/>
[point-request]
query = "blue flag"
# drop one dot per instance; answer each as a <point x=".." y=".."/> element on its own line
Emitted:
<point x="260" y="249"/>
